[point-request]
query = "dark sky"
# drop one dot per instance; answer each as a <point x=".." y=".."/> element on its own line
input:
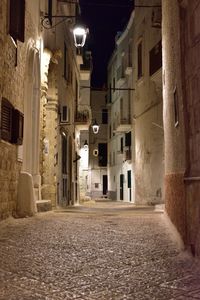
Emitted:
<point x="104" y="18"/>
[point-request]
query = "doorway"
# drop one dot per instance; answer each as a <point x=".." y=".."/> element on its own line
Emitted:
<point x="129" y="184"/>
<point x="105" y="184"/>
<point x="121" y="186"/>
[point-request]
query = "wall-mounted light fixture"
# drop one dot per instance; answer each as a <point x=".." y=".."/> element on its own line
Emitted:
<point x="85" y="145"/>
<point x="79" y="31"/>
<point x="95" y="127"/>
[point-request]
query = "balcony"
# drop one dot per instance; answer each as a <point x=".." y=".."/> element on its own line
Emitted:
<point x="120" y="75"/>
<point x="123" y="124"/>
<point x="86" y="66"/>
<point x="79" y="56"/>
<point x="128" y="64"/>
<point x="82" y="120"/>
<point x="127" y="155"/>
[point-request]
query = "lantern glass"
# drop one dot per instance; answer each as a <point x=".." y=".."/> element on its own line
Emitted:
<point x="95" y="127"/>
<point x="85" y="145"/>
<point x="80" y="34"/>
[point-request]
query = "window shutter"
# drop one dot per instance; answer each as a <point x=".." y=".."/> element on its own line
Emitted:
<point x="6" y="120"/>
<point x="17" y="127"/>
<point x="17" y="19"/>
<point x="128" y="139"/>
<point x="155" y="58"/>
<point x="129" y="178"/>
<point x="50" y="11"/>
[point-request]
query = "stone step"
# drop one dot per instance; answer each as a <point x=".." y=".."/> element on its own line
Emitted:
<point x="43" y="205"/>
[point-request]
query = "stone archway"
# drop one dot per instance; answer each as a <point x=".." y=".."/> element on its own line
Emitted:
<point x="29" y="179"/>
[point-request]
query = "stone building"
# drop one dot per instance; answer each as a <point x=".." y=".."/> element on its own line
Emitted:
<point x="20" y="39"/>
<point x="39" y="104"/>
<point x="65" y="109"/>
<point x="121" y="183"/>
<point x="97" y="180"/>
<point x="181" y="65"/>
<point x="147" y="98"/>
<point x="136" y="159"/>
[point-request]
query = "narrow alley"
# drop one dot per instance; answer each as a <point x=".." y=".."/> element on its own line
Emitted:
<point x="99" y="251"/>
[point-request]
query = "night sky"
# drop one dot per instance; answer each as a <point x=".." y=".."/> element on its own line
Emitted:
<point x="104" y="18"/>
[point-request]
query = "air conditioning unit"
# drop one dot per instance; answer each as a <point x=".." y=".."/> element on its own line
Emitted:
<point x="64" y="114"/>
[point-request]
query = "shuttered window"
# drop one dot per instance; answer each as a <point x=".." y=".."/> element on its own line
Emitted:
<point x="12" y="122"/>
<point x="6" y="120"/>
<point x="17" y="127"/>
<point x="17" y="19"/>
<point x="128" y="139"/>
<point x="155" y="58"/>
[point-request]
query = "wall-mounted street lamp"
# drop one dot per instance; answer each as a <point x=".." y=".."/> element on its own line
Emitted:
<point x="79" y="31"/>
<point x="85" y="145"/>
<point x="95" y="127"/>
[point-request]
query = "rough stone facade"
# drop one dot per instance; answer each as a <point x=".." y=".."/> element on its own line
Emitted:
<point x="180" y="30"/>
<point x="149" y="156"/>
<point x="12" y="78"/>
<point x="50" y="132"/>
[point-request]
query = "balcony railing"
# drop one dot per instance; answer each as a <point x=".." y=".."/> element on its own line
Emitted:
<point x="128" y="64"/>
<point x="123" y="124"/>
<point x="81" y="117"/>
<point x="128" y="155"/>
<point x="120" y="73"/>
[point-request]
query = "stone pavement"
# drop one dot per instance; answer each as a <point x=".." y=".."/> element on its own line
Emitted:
<point x="103" y="251"/>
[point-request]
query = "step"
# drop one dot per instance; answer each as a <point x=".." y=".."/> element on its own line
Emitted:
<point x="43" y="205"/>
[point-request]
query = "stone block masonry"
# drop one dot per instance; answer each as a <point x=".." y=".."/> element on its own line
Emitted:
<point x="9" y="172"/>
<point x="12" y="78"/>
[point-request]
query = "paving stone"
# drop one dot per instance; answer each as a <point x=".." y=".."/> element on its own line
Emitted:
<point x="105" y="251"/>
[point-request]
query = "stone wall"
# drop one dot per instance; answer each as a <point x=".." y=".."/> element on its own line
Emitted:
<point x="148" y="113"/>
<point x="49" y="183"/>
<point x="12" y="78"/>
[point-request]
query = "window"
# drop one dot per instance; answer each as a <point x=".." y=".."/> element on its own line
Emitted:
<point x="129" y="178"/>
<point x="122" y="145"/>
<point x="17" y="19"/>
<point x="139" y="60"/>
<point x="50" y="11"/>
<point x="155" y="58"/>
<point x="11" y="123"/>
<point x="96" y="185"/>
<point x="102" y="149"/>
<point x="65" y="114"/>
<point x="17" y="127"/>
<point x="64" y="155"/>
<point x="6" y="120"/>
<point x="65" y="62"/>
<point x="128" y="139"/>
<point x="104" y="116"/>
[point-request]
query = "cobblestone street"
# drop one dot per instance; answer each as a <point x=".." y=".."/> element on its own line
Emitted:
<point x="102" y="251"/>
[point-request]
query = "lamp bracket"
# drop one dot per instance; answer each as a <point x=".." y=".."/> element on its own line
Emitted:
<point x="47" y="20"/>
